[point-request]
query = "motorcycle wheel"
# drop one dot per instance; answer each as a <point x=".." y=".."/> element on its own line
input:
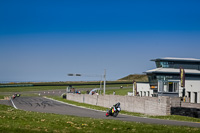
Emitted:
<point x="115" y="114"/>
<point x="107" y="114"/>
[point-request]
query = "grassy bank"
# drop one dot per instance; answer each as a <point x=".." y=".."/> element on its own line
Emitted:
<point x="136" y="77"/>
<point x="18" y="121"/>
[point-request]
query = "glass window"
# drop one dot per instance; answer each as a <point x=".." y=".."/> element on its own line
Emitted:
<point x="176" y="86"/>
<point x="158" y="65"/>
<point x="164" y="64"/>
<point x="165" y="86"/>
<point x="170" y="86"/>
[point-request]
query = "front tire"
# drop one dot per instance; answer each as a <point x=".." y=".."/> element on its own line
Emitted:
<point x="115" y="114"/>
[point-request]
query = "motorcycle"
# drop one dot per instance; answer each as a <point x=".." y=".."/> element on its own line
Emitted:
<point x="114" y="111"/>
<point x="15" y="95"/>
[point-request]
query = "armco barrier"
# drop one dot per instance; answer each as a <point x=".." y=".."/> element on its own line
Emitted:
<point x="146" y="105"/>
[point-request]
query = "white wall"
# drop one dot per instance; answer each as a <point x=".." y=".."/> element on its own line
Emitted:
<point x="146" y="105"/>
<point x="144" y="89"/>
<point x="192" y="86"/>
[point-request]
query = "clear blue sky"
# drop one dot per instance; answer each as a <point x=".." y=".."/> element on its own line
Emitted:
<point x="45" y="40"/>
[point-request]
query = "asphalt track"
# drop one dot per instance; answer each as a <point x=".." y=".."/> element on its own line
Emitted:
<point x="40" y="104"/>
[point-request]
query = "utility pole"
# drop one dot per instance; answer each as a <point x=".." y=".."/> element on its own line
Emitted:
<point x="104" y="88"/>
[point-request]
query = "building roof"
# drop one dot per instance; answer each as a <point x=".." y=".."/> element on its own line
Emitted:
<point x="177" y="59"/>
<point x="173" y="71"/>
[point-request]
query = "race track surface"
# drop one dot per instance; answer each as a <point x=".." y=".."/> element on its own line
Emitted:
<point x="41" y="104"/>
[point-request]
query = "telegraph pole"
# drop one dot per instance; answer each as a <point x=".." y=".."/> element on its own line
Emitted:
<point x="104" y="87"/>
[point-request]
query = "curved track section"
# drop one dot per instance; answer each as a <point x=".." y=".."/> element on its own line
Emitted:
<point x="41" y="104"/>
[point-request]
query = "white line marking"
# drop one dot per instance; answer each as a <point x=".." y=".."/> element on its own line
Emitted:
<point x="13" y="103"/>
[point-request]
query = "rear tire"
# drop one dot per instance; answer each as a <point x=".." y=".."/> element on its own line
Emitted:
<point x="107" y="114"/>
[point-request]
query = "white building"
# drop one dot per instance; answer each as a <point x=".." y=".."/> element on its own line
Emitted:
<point x="165" y="80"/>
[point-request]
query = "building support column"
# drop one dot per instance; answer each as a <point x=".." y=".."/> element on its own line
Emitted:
<point x="192" y="97"/>
<point x="198" y="97"/>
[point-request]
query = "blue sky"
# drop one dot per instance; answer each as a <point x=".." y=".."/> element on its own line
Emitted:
<point x="46" y="40"/>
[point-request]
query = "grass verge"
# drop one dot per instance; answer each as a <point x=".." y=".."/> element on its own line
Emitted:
<point x="121" y="92"/>
<point x="168" y="117"/>
<point x="40" y="88"/>
<point x="19" y="121"/>
<point x="1" y="97"/>
<point x="30" y="88"/>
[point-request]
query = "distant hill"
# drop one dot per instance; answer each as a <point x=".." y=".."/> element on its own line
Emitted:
<point x="136" y="77"/>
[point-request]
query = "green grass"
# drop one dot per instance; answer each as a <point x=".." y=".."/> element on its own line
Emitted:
<point x="30" y="88"/>
<point x="67" y="83"/>
<point x="19" y="121"/>
<point x="39" y="88"/>
<point x="122" y="92"/>
<point x="1" y="97"/>
<point x="136" y="77"/>
<point x="168" y="117"/>
<point x="98" y="86"/>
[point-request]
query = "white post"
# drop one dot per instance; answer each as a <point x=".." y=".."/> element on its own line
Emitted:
<point x="104" y="88"/>
<point x="100" y="86"/>
<point x="133" y="89"/>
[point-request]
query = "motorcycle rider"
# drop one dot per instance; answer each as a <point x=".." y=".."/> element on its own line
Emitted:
<point x="115" y="106"/>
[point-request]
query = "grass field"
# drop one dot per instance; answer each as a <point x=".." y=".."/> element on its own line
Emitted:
<point x="1" y="97"/>
<point x="30" y="88"/>
<point x="40" y="88"/>
<point x="121" y="92"/>
<point x="18" y="121"/>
